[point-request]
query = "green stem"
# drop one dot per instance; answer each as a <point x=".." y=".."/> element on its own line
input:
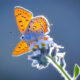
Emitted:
<point x="66" y="75"/>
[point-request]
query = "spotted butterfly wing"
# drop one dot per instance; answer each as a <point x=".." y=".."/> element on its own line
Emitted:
<point x="23" y="18"/>
<point x="39" y="24"/>
<point x="21" y="48"/>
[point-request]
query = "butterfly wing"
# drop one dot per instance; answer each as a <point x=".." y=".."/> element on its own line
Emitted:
<point x="21" y="48"/>
<point x="23" y="18"/>
<point x="39" y="24"/>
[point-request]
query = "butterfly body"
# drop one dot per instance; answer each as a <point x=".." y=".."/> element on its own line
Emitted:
<point x="32" y="36"/>
<point x="31" y="28"/>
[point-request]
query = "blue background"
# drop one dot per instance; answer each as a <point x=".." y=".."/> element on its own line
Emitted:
<point x="64" y="14"/>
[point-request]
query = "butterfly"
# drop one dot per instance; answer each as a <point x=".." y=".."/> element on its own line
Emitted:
<point x="31" y="28"/>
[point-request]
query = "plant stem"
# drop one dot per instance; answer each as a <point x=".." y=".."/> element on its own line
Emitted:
<point x="59" y="68"/>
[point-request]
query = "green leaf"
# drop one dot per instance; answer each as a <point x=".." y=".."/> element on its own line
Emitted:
<point x="76" y="71"/>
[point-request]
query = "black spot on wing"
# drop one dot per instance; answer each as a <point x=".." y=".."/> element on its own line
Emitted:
<point x="27" y="20"/>
<point x="16" y="15"/>
<point x="19" y="13"/>
<point x="22" y="29"/>
<point x="19" y="47"/>
<point x="20" y="21"/>
<point x="24" y="17"/>
<point x="21" y="25"/>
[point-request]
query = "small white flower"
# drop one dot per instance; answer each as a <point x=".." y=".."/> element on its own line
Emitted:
<point x="61" y="55"/>
<point x="37" y="52"/>
<point x="34" y="63"/>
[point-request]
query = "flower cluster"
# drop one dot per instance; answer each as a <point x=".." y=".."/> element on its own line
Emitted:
<point x="45" y="52"/>
<point x="43" y="49"/>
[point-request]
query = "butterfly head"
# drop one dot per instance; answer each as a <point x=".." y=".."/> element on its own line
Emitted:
<point x="23" y="37"/>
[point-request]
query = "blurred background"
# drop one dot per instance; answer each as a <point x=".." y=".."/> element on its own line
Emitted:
<point x="65" y="17"/>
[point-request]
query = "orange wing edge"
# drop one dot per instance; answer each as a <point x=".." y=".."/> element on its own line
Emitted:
<point x="19" y="7"/>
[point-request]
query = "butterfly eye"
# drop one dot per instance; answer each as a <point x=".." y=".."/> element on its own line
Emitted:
<point x="22" y="37"/>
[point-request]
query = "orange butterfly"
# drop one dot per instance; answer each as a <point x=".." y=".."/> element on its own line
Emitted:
<point x="32" y="29"/>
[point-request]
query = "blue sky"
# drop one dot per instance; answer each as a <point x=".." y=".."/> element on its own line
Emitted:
<point x="65" y="17"/>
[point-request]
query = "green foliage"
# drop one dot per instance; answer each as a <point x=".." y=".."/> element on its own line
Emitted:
<point x="76" y="71"/>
